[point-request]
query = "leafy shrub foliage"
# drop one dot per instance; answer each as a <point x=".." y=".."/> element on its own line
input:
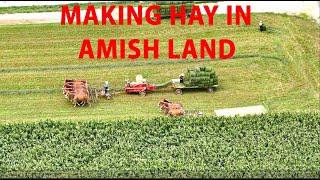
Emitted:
<point x="272" y="145"/>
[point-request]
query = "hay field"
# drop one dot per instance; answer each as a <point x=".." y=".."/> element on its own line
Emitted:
<point x="279" y="69"/>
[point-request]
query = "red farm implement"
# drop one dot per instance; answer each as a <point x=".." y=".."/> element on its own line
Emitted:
<point x="141" y="86"/>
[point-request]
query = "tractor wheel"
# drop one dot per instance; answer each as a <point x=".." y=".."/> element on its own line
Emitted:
<point x="178" y="91"/>
<point x="142" y="93"/>
<point x="210" y="90"/>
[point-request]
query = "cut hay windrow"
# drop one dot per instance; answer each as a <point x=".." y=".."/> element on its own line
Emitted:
<point x="120" y="64"/>
<point x="29" y="91"/>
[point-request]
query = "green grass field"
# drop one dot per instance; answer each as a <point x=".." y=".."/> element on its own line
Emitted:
<point x="43" y="135"/>
<point x="279" y="69"/>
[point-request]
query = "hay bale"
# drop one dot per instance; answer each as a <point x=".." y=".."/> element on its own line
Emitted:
<point x="195" y="78"/>
<point x="207" y="74"/>
<point x="212" y="75"/>
<point x="208" y="69"/>
<point x="205" y="78"/>
<point x="215" y="82"/>
<point x="193" y="74"/>
<point x="198" y="79"/>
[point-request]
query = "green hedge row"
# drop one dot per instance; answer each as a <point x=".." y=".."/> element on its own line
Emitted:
<point x="273" y="145"/>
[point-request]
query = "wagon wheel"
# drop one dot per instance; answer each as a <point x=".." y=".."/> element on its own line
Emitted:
<point x="210" y="90"/>
<point x="108" y="96"/>
<point x="178" y="91"/>
<point x="142" y="93"/>
<point x="102" y="93"/>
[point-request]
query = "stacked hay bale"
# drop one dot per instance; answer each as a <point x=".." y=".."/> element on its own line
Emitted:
<point x="201" y="76"/>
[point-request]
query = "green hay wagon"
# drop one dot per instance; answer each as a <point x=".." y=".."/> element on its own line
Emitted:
<point x="198" y="78"/>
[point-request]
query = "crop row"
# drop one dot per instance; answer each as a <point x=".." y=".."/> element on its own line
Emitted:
<point x="121" y="64"/>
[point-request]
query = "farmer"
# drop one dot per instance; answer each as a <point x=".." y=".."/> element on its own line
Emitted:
<point x="262" y="27"/>
<point x="181" y="77"/>
<point x="106" y="87"/>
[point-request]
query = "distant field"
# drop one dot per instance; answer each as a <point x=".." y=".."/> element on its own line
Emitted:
<point x="57" y="8"/>
<point x="54" y="8"/>
<point x="279" y="69"/>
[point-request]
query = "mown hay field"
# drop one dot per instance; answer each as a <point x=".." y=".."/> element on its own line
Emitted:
<point x="129" y="137"/>
<point x="278" y="68"/>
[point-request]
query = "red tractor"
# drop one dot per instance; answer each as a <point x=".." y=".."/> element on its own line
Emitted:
<point x="140" y="86"/>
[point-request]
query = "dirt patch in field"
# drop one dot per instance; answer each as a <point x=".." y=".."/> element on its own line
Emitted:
<point x="23" y="21"/>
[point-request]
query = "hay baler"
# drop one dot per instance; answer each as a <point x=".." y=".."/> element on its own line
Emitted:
<point x="139" y="87"/>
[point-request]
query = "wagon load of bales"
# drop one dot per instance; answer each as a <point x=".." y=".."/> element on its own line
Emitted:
<point x="201" y="76"/>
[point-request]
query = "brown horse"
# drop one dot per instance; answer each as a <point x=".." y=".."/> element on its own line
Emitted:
<point x="81" y="94"/>
<point x="171" y="109"/>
